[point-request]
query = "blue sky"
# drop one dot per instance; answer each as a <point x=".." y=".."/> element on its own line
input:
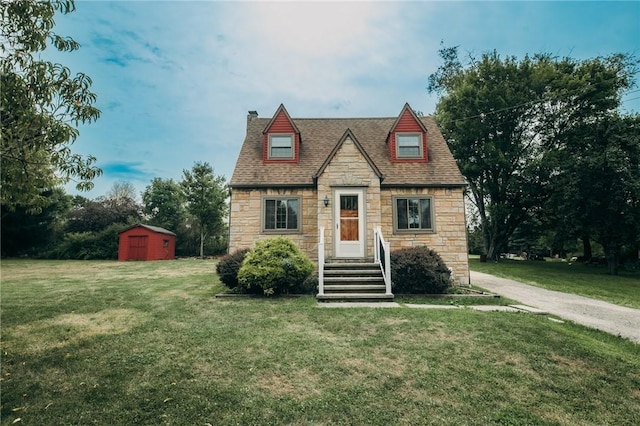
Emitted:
<point x="175" y="79"/>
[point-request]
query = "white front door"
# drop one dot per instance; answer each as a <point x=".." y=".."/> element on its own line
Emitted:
<point x="348" y="216"/>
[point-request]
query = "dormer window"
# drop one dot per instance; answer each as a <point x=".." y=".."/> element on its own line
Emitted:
<point x="407" y="138"/>
<point x="280" y="147"/>
<point x="408" y="145"/>
<point x="281" y="139"/>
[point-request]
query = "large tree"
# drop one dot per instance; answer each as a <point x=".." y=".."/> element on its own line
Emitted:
<point x="486" y="115"/>
<point x="597" y="188"/>
<point x="41" y="106"/>
<point x="31" y="234"/>
<point x="122" y="192"/>
<point x="118" y="207"/>
<point x="503" y="120"/>
<point x="206" y="195"/>
<point x="164" y="204"/>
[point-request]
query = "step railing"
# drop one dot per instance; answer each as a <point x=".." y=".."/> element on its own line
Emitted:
<point x="321" y="262"/>
<point x="382" y="256"/>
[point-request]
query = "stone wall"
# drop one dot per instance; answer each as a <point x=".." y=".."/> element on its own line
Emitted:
<point x="246" y="219"/>
<point x="349" y="169"/>
<point x="450" y="236"/>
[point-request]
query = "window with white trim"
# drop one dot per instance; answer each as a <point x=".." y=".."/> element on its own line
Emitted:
<point x="409" y="145"/>
<point x="413" y="214"/>
<point x="280" y="146"/>
<point x="281" y="214"/>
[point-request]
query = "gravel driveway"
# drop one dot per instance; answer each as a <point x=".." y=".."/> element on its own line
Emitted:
<point x="614" y="319"/>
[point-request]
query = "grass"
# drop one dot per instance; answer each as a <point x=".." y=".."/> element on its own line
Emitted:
<point x="576" y="278"/>
<point x="457" y="301"/>
<point x="147" y="343"/>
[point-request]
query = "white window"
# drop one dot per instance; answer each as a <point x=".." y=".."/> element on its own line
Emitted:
<point x="280" y="146"/>
<point x="409" y="145"/>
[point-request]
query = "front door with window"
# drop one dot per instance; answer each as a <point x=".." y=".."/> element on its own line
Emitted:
<point x="349" y="223"/>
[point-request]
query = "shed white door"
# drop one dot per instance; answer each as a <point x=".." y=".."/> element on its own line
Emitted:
<point x="349" y="222"/>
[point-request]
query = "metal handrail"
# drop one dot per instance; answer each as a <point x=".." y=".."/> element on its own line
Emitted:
<point x="382" y="256"/>
<point x="321" y="262"/>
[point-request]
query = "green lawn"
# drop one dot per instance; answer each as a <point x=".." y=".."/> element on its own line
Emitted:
<point x="147" y="343"/>
<point x="576" y="278"/>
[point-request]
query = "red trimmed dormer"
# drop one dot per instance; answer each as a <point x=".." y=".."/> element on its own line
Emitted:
<point x="281" y="140"/>
<point x="407" y="138"/>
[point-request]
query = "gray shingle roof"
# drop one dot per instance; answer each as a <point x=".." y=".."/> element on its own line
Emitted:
<point x="319" y="137"/>
<point x="151" y="228"/>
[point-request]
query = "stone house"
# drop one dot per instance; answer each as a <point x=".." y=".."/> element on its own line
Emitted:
<point x="349" y="189"/>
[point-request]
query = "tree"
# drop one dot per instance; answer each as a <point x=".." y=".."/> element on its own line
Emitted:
<point x="205" y="195"/>
<point x="597" y="189"/>
<point x="164" y="204"/>
<point x="487" y="118"/>
<point x="122" y="192"/>
<point x="117" y="207"/>
<point x="597" y="85"/>
<point x="503" y="120"/>
<point x="41" y="106"/>
<point x="35" y="234"/>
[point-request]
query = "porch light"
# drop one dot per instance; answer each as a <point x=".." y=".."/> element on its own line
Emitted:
<point x="326" y="201"/>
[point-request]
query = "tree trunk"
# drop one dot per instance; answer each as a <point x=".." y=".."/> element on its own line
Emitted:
<point x="612" y="265"/>
<point x="493" y="251"/>
<point x="201" y="243"/>
<point x="613" y="255"/>
<point x="586" y="247"/>
<point x="485" y="246"/>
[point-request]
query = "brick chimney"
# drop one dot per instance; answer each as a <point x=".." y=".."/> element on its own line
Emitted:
<point x="251" y="116"/>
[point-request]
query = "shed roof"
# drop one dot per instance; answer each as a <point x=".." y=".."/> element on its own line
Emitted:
<point x="157" y="229"/>
<point x="321" y="136"/>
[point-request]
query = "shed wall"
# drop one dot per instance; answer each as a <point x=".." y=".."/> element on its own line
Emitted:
<point x="159" y="246"/>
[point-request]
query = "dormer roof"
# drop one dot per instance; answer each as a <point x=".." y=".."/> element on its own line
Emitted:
<point x="280" y="111"/>
<point x="323" y="136"/>
<point x="407" y="109"/>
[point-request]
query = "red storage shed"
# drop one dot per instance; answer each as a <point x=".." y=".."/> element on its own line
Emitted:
<point x="146" y="242"/>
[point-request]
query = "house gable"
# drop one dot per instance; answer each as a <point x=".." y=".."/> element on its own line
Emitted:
<point x="407" y="139"/>
<point x="348" y="135"/>
<point x="281" y="139"/>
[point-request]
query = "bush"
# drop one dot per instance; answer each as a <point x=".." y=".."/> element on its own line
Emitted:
<point x="89" y="245"/>
<point x="228" y="267"/>
<point x="419" y="270"/>
<point x="276" y="266"/>
<point x="308" y="286"/>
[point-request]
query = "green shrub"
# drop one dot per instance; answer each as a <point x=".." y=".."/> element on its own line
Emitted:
<point x="276" y="266"/>
<point x="228" y="267"/>
<point x="89" y="245"/>
<point x="419" y="270"/>
<point x="308" y="286"/>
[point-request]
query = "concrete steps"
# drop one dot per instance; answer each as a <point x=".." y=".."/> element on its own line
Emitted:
<point x="354" y="281"/>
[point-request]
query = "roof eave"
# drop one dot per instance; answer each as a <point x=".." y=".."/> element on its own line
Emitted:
<point x="424" y="185"/>
<point x="270" y="185"/>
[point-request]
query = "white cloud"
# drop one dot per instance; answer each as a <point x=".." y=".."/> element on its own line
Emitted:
<point x="308" y="51"/>
<point x="175" y="79"/>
